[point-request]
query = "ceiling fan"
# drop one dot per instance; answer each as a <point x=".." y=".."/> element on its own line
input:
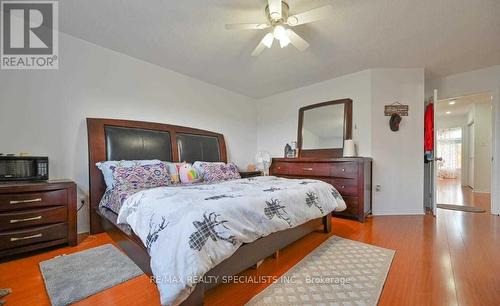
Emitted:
<point x="279" y="21"/>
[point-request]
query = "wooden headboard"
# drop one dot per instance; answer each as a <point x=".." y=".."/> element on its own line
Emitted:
<point x="112" y="139"/>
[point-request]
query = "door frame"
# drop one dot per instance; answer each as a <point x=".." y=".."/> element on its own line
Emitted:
<point x="495" y="147"/>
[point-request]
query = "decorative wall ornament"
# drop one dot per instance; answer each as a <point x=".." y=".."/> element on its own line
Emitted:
<point x="396" y="108"/>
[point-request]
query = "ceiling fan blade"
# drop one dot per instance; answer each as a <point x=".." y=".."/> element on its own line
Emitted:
<point x="266" y="42"/>
<point x="246" y="26"/>
<point x="310" y="16"/>
<point x="258" y="50"/>
<point x="275" y="9"/>
<point x="297" y="41"/>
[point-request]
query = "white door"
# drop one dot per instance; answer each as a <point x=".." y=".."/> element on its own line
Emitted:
<point x="470" y="167"/>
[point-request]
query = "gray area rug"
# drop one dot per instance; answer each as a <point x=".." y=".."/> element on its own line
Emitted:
<point x="339" y="272"/>
<point x="73" y="277"/>
<point x="461" y="208"/>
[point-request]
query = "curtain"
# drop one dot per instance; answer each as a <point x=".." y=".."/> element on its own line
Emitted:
<point x="449" y="148"/>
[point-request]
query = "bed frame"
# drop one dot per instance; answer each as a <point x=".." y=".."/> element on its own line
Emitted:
<point x="111" y="139"/>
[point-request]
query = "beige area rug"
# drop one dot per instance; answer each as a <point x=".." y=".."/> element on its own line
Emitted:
<point x="461" y="208"/>
<point x="339" y="272"/>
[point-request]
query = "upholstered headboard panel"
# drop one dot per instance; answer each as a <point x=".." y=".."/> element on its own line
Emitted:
<point x="123" y="143"/>
<point x="111" y="139"/>
<point x="198" y="147"/>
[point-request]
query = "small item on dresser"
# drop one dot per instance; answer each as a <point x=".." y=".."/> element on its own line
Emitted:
<point x="24" y="168"/>
<point x="251" y="168"/>
<point x="349" y="148"/>
<point x="294" y="152"/>
<point x="288" y="150"/>
<point x="263" y="162"/>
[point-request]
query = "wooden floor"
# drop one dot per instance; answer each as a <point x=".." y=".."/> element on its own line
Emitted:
<point x="451" y="259"/>
<point x="451" y="191"/>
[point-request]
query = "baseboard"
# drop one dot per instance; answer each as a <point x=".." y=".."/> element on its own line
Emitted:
<point x="480" y="191"/>
<point x="397" y="213"/>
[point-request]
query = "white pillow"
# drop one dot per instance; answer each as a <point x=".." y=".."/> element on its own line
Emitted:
<point x="105" y="168"/>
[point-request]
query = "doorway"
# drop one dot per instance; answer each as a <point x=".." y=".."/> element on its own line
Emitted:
<point x="464" y="150"/>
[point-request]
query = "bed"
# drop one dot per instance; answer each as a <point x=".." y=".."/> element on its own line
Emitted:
<point x="111" y="139"/>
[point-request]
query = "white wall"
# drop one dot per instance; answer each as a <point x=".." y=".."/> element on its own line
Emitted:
<point x="43" y="112"/>
<point x="474" y="82"/>
<point x="278" y="114"/>
<point x="482" y="147"/>
<point x="397" y="156"/>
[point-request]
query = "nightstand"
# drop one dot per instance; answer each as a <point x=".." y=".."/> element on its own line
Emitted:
<point x="247" y="174"/>
<point x="35" y="215"/>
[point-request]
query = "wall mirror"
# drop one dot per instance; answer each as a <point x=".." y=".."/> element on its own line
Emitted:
<point x="323" y="127"/>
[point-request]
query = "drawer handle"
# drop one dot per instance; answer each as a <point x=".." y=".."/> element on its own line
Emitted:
<point x="307" y="169"/>
<point x="27" y="237"/>
<point x="27" y="219"/>
<point x="342" y="187"/>
<point x="343" y="169"/>
<point x="26" y="201"/>
<point x="278" y="168"/>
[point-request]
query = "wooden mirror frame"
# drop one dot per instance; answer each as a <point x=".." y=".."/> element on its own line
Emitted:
<point x="326" y="153"/>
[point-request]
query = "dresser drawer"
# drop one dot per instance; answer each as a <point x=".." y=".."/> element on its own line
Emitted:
<point x="24" y="200"/>
<point x="346" y="187"/>
<point x="344" y="170"/>
<point x="31" y="235"/>
<point x="309" y="169"/>
<point x="32" y="217"/>
<point x="278" y="168"/>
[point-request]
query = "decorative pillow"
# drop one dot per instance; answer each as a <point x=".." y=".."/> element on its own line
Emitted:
<point x="113" y="198"/>
<point x="143" y="176"/>
<point x="188" y="173"/>
<point x="173" y="170"/>
<point x="198" y="165"/>
<point x="215" y="172"/>
<point x="105" y="168"/>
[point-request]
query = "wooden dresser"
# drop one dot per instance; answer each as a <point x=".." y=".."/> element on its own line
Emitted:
<point x="351" y="176"/>
<point x="36" y="215"/>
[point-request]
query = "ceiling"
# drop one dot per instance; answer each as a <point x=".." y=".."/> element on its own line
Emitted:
<point x="444" y="37"/>
<point x="462" y="104"/>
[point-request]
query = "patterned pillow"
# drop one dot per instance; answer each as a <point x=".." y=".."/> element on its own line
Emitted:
<point x="198" y="165"/>
<point x="143" y="176"/>
<point x="107" y="173"/>
<point x="113" y="198"/>
<point x="215" y="172"/>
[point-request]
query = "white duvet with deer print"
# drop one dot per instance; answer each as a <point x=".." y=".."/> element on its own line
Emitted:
<point x="188" y="230"/>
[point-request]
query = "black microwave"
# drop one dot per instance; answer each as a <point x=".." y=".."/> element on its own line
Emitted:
<point x="24" y="168"/>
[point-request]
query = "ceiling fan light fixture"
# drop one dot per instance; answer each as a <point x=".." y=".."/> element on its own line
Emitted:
<point x="284" y="41"/>
<point x="279" y="32"/>
<point x="268" y="40"/>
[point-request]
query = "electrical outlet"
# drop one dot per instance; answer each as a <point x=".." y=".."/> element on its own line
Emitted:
<point x="378" y="188"/>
